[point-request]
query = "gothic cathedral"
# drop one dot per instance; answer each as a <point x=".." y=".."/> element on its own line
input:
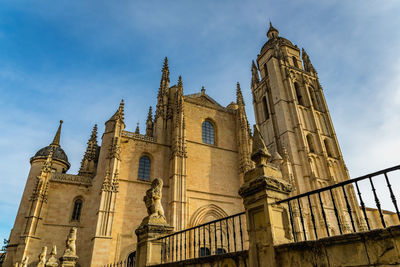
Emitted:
<point x="198" y="148"/>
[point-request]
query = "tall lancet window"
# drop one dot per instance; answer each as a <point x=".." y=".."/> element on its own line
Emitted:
<point x="144" y="168"/>
<point x="265" y="106"/>
<point x="76" y="213"/>
<point x="298" y="94"/>
<point x="207" y="133"/>
<point x="310" y="143"/>
<point x="295" y="62"/>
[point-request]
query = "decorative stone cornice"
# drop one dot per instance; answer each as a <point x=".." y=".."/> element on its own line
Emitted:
<point x="71" y="179"/>
<point x="263" y="183"/>
<point x="140" y="137"/>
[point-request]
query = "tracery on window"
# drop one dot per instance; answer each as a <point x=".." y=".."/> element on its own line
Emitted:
<point x="76" y="212"/>
<point x="144" y="168"/>
<point x="208" y="135"/>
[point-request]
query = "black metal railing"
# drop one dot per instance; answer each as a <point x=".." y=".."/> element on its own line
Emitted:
<point x="336" y="209"/>
<point x="221" y="236"/>
<point x="130" y="262"/>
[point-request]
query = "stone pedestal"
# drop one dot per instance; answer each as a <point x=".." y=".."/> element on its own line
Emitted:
<point x="267" y="223"/>
<point x="148" y="251"/>
<point x="68" y="260"/>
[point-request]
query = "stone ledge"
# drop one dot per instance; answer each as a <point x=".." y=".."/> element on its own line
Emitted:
<point x="345" y="238"/>
<point x="71" y="179"/>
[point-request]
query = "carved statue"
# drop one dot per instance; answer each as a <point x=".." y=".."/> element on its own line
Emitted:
<point x="70" y="247"/>
<point x="152" y="200"/>
<point x="42" y="257"/>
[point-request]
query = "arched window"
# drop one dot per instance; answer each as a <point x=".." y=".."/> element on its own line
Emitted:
<point x="76" y="212"/>
<point x="298" y="94"/>
<point x="313" y="99"/>
<point x="265" y="106"/>
<point x="144" y="168"/>
<point x="265" y="70"/>
<point x="131" y="259"/>
<point x="204" y="252"/>
<point x="328" y="147"/>
<point x="295" y="62"/>
<point x="310" y="143"/>
<point x="207" y="133"/>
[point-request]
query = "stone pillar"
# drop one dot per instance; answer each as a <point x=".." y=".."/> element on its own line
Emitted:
<point x="267" y="223"/>
<point x="148" y="251"/>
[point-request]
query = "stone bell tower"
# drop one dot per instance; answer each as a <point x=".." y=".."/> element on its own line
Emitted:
<point x="293" y="117"/>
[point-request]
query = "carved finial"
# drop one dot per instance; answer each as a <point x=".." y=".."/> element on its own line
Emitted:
<point x="56" y="140"/>
<point x="42" y="257"/>
<point x="272" y="32"/>
<point x="285" y="154"/>
<point x="260" y="154"/>
<point x="52" y="261"/>
<point x="203" y="90"/>
<point x="239" y="96"/>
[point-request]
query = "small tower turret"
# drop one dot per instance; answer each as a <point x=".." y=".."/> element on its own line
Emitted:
<point x="60" y="159"/>
<point x="272" y="32"/>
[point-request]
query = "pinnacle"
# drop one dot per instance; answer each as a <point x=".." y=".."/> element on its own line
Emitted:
<point x="165" y="66"/>
<point x="239" y="95"/>
<point x="180" y="81"/>
<point x="150" y="114"/>
<point x="56" y="140"/>
<point x="93" y="137"/>
<point x="137" y="131"/>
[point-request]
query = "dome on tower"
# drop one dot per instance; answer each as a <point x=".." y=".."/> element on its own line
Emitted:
<point x="58" y="153"/>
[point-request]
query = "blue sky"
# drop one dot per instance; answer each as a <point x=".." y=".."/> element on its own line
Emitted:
<point x="75" y="60"/>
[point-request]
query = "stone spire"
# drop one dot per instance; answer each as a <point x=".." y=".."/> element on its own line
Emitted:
<point x="255" y="79"/>
<point x="119" y="114"/>
<point x="260" y="154"/>
<point x="243" y="133"/>
<point x="149" y="123"/>
<point x="307" y="62"/>
<point x="165" y="75"/>
<point x="272" y="32"/>
<point x="137" y="131"/>
<point x="162" y="91"/>
<point x="239" y="95"/>
<point x="56" y="140"/>
<point x="89" y="161"/>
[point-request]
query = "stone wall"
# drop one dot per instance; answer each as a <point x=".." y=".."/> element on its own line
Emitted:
<point x="236" y="259"/>
<point x="380" y="247"/>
